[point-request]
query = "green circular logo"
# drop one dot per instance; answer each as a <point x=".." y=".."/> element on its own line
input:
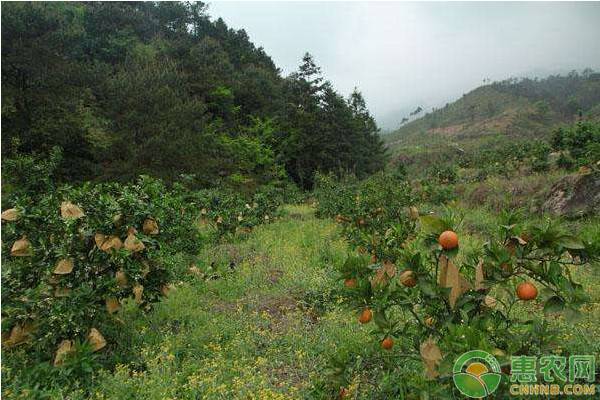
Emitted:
<point x="476" y="374"/>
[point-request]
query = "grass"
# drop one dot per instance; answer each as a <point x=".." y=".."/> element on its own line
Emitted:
<point x="264" y="330"/>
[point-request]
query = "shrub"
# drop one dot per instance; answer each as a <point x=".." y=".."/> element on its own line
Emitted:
<point x="72" y="255"/>
<point x="447" y="173"/>
<point x="442" y="308"/>
<point x="436" y="193"/>
<point x="229" y="212"/>
<point x="582" y="140"/>
<point x="374" y="212"/>
<point x="26" y="174"/>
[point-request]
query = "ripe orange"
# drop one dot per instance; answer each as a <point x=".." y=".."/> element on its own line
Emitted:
<point x="350" y="282"/>
<point x="408" y="279"/>
<point x="365" y="316"/>
<point x="387" y="343"/>
<point x="526" y="291"/>
<point x="448" y="240"/>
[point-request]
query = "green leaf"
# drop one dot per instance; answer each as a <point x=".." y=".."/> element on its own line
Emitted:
<point x="554" y="305"/>
<point x="427" y="288"/>
<point x="380" y="320"/>
<point x="452" y="252"/>
<point x="554" y="272"/>
<point x="433" y="224"/>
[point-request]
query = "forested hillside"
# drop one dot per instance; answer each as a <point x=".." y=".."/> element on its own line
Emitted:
<point x="496" y="119"/>
<point x="161" y="89"/>
<point x="514" y="107"/>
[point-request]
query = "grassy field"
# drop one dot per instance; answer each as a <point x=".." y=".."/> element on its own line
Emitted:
<point x="262" y="330"/>
<point x="268" y="325"/>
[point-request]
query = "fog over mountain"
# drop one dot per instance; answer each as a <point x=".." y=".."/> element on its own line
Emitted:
<point x="404" y="55"/>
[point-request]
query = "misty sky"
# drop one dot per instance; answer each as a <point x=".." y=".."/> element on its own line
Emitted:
<point x="401" y="55"/>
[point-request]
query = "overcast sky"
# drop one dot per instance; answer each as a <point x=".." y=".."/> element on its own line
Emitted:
<point x="401" y="55"/>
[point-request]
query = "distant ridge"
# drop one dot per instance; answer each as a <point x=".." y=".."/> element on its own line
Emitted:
<point x="516" y="107"/>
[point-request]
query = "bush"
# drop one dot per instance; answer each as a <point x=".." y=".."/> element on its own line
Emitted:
<point x="436" y="193"/>
<point x="26" y="174"/>
<point x="447" y="173"/>
<point x="72" y="255"/>
<point x="582" y="140"/>
<point x="374" y="212"/>
<point x="441" y="307"/>
<point x="230" y="212"/>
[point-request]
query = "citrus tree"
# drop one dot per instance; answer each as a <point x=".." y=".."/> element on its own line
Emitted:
<point x="72" y="255"/>
<point x="374" y="213"/>
<point x="437" y="303"/>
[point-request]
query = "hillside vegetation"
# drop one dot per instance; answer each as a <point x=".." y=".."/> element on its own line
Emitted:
<point x="497" y="114"/>
<point x="161" y="89"/>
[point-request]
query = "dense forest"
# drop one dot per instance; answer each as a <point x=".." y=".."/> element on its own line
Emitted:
<point x="125" y="89"/>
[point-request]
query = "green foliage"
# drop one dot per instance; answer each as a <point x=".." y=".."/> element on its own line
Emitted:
<point x="373" y="212"/>
<point x="123" y="241"/>
<point x="126" y="89"/>
<point x="25" y="174"/>
<point x="473" y="304"/>
<point x="65" y="306"/>
<point x="443" y="173"/>
<point x="434" y="193"/>
<point x="539" y="156"/>
<point x="581" y="140"/>
<point x="229" y="212"/>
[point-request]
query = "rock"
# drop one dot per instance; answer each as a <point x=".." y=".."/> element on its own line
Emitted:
<point x="575" y="195"/>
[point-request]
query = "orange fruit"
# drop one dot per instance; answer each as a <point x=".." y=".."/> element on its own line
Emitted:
<point x="408" y="279"/>
<point x="350" y="282"/>
<point x="448" y="240"/>
<point x="365" y="316"/>
<point x="387" y="343"/>
<point x="526" y="291"/>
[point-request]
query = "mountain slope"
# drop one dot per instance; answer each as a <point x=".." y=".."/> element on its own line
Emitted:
<point x="519" y="109"/>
